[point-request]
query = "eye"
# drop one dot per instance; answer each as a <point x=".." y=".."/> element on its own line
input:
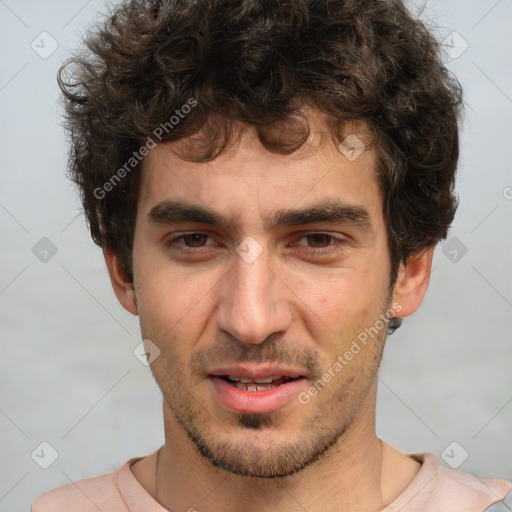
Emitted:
<point x="320" y="242"/>
<point x="316" y="243"/>
<point x="191" y="241"/>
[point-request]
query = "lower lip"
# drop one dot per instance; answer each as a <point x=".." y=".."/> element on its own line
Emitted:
<point x="265" y="401"/>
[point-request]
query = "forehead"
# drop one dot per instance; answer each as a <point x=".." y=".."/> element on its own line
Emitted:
<point x="247" y="179"/>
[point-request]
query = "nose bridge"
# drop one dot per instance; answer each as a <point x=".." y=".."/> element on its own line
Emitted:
<point x="250" y="308"/>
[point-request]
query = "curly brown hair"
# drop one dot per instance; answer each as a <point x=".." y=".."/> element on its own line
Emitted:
<point x="259" y="62"/>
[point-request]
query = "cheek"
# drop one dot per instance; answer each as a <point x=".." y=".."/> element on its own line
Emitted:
<point x="350" y="293"/>
<point x="341" y="307"/>
<point x="173" y="301"/>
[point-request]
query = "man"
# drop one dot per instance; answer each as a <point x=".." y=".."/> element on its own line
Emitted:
<point x="268" y="181"/>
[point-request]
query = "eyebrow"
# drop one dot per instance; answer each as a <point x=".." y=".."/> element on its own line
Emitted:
<point x="174" y="212"/>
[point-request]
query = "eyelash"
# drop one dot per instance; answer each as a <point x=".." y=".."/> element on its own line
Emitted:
<point x="330" y="248"/>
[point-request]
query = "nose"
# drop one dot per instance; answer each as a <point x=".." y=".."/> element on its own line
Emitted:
<point x="253" y="302"/>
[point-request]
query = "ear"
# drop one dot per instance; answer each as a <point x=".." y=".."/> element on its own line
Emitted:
<point x="412" y="282"/>
<point x="124" y="290"/>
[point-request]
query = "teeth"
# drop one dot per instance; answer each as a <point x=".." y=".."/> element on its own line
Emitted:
<point x="266" y="380"/>
<point x="257" y="384"/>
<point x="261" y="387"/>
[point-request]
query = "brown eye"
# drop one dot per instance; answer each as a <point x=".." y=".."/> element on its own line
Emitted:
<point x="194" y="239"/>
<point x="320" y="243"/>
<point x="190" y="242"/>
<point x="319" y="239"/>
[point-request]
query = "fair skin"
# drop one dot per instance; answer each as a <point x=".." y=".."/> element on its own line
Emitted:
<point x="205" y="307"/>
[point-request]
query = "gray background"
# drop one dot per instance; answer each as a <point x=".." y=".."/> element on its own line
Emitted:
<point x="68" y="375"/>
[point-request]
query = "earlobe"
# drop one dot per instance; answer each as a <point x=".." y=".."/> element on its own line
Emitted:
<point x="124" y="289"/>
<point x="412" y="283"/>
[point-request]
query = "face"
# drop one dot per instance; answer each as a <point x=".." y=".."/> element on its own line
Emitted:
<point x="258" y="265"/>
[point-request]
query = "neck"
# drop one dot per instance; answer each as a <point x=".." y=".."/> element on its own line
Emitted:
<point x="349" y="476"/>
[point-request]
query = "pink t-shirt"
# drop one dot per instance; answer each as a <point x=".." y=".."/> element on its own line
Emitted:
<point x="434" y="489"/>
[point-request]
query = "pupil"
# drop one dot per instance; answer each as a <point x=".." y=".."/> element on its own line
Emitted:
<point x="320" y="236"/>
<point x="193" y="237"/>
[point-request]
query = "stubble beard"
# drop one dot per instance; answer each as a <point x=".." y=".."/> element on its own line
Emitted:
<point x="269" y="459"/>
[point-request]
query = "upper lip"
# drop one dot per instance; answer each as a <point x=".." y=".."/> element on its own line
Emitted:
<point x="256" y="372"/>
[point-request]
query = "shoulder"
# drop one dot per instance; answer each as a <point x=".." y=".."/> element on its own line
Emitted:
<point x="488" y="488"/>
<point x="88" y="495"/>
<point x="439" y="488"/>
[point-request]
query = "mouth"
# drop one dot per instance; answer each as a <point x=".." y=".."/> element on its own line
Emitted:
<point x="256" y="395"/>
<point x="247" y="384"/>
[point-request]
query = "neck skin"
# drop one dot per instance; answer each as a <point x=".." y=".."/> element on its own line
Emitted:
<point x="358" y="474"/>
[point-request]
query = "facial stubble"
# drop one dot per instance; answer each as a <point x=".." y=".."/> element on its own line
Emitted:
<point x="268" y="458"/>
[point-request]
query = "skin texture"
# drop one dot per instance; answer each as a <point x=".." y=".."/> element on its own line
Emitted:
<point x="291" y="306"/>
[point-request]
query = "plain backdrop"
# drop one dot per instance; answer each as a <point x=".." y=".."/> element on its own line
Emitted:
<point x="68" y="374"/>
